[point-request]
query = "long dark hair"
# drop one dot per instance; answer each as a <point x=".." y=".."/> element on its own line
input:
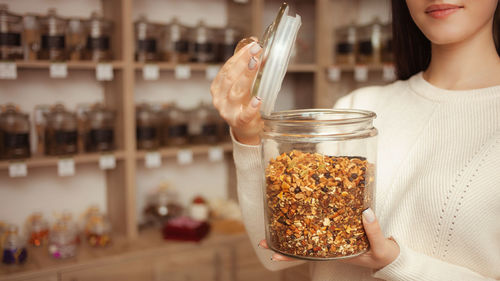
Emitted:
<point x="412" y="50"/>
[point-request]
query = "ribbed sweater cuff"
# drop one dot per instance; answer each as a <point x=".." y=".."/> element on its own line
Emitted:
<point x="246" y="157"/>
<point x="404" y="267"/>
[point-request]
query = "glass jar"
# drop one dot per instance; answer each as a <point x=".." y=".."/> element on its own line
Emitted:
<point x="38" y="230"/>
<point x="147" y="37"/>
<point x="99" y="129"/>
<point x="175" y="126"/>
<point x="176" y="43"/>
<point x="387" y="55"/>
<point x="31" y="36"/>
<point x="161" y="206"/>
<point x="76" y="39"/>
<point x="148" y="122"/>
<point x="11" y="28"/>
<point x="53" y="37"/>
<point x="227" y="41"/>
<point x="97" y="228"/>
<point x="203" y="43"/>
<point x="368" y="43"/>
<point x="15" y="127"/>
<point x="61" y="132"/>
<point x="319" y="178"/>
<point x="345" y="40"/>
<point x="13" y="247"/>
<point x="98" y="46"/>
<point x="203" y="125"/>
<point x="63" y="238"/>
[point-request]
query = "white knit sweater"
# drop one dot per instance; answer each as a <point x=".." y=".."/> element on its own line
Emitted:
<point x="438" y="184"/>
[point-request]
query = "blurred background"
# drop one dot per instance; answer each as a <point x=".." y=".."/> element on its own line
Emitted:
<point x="114" y="164"/>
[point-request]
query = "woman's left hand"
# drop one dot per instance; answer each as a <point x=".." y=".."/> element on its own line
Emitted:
<point x="383" y="251"/>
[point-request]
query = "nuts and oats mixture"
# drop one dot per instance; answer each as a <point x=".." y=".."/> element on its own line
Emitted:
<point x="315" y="202"/>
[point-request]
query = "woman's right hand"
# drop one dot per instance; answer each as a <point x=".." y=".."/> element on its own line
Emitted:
<point x="231" y="94"/>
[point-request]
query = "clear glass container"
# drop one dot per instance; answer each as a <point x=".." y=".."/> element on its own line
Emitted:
<point x="98" y="45"/>
<point x="176" y="43"/>
<point x="227" y="41"/>
<point x="175" y="126"/>
<point x="319" y="167"/>
<point x="63" y="238"/>
<point x="11" y="28"/>
<point x="345" y="42"/>
<point x="203" y="125"/>
<point x="97" y="228"/>
<point x="368" y="43"/>
<point x="76" y="39"/>
<point x="13" y="247"/>
<point x="15" y="127"/>
<point x="38" y="230"/>
<point x="99" y="129"/>
<point x="53" y="37"/>
<point x="387" y="55"/>
<point x="147" y="37"/>
<point x="162" y="205"/>
<point x="61" y="131"/>
<point x="203" y="43"/>
<point x="31" y="36"/>
<point x="148" y="131"/>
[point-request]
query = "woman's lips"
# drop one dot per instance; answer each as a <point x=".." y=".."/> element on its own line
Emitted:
<point x="442" y="10"/>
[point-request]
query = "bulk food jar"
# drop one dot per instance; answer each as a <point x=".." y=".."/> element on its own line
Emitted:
<point x="368" y="43"/>
<point x="97" y="228"/>
<point x="15" y="129"/>
<point x="228" y="38"/>
<point x="63" y="238"/>
<point x="11" y="28"/>
<point x="146" y="40"/>
<point x="345" y="38"/>
<point x="176" y="42"/>
<point x="203" y="43"/>
<point x="13" y="247"/>
<point x="38" y="230"/>
<point x="148" y="122"/>
<point x="61" y="131"/>
<point x="75" y="38"/>
<point x="204" y="122"/>
<point x="175" y="122"/>
<point x="31" y="36"/>
<point x="53" y="37"/>
<point x="318" y="164"/>
<point x="99" y="129"/>
<point x="98" y="43"/>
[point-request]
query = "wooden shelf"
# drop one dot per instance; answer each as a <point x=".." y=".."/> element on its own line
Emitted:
<point x="168" y="66"/>
<point x="298" y="68"/>
<point x="196" y="149"/>
<point x="76" y="65"/>
<point x="370" y="67"/>
<point x="47" y="161"/>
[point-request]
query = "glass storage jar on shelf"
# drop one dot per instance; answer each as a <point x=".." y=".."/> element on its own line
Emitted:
<point x="228" y="37"/>
<point x="176" y="43"/>
<point x="97" y="228"/>
<point x="147" y="36"/>
<point x="15" y="129"/>
<point x="368" y="43"/>
<point x="31" y="36"/>
<point x="76" y="39"/>
<point x="13" y="246"/>
<point x="203" y="46"/>
<point x="38" y="230"/>
<point x="11" y="28"/>
<point x="99" y="129"/>
<point x="98" y="45"/>
<point x="53" y="37"/>
<point x="387" y="55"/>
<point x="61" y="131"/>
<point x="203" y="125"/>
<point x="175" y="122"/>
<point x="148" y="122"/>
<point x="162" y="205"/>
<point x="345" y="42"/>
<point x="63" y="238"/>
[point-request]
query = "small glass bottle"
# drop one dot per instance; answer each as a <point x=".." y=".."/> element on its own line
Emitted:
<point x="16" y="133"/>
<point x="345" y="38"/>
<point x="175" y="126"/>
<point x="76" y="39"/>
<point x="99" y="129"/>
<point x="97" y="228"/>
<point x="368" y="44"/>
<point x="98" y="47"/>
<point x="38" y="230"/>
<point x="53" y="37"/>
<point x="63" y="238"/>
<point x="13" y="247"/>
<point x="61" y="132"/>
<point x="162" y="205"/>
<point x="386" y="44"/>
<point x="146" y="36"/>
<point x="203" y="44"/>
<point x="31" y="37"/>
<point x="148" y="123"/>
<point x="176" y="43"/>
<point x="228" y="39"/>
<point x="203" y="124"/>
<point x="11" y="28"/>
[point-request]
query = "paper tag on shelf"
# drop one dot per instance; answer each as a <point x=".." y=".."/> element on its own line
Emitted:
<point x="182" y="72"/>
<point x="361" y="73"/>
<point x="153" y="159"/>
<point x="18" y="170"/>
<point x="215" y="153"/>
<point x="66" y="167"/>
<point x="388" y="72"/>
<point x="58" y="70"/>
<point x="8" y="70"/>
<point x="104" y="72"/>
<point x="185" y="156"/>
<point x="107" y="162"/>
<point x="151" y="72"/>
<point x="334" y="73"/>
<point x="212" y="71"/>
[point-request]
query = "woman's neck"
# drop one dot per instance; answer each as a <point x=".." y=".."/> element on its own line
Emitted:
<point x="470" y="64"/>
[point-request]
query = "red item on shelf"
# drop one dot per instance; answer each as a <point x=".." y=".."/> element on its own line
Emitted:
<point x="185" y="229"/>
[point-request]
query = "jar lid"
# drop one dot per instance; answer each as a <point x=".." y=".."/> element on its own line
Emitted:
<point x="279" y="39"/>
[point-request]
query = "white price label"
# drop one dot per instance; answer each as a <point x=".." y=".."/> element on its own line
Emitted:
<point x="389" y="72"/>
<point x="104" y="72"/>
<point x="153" y="159"/>
<point x="151" y="72"/>
<point x="360" y="73"/>
<point x="215" y="153"/>
<point x="18" y="169"/>
<point x="8" y="70"/>
<point x="58" y="70"/>
<point x="66" y="167"/>
<point x="107" y="162"/>
<point x="185" y="156"/>
<point x="334" y="73"/>
<point x="182" y="72"/>
<point x="212" y="71"/>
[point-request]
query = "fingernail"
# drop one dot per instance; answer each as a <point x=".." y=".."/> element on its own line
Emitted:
<point x="252" y="63"/>
<point x="255" y="48"/>
<point x="255" y="102"/>
<point x="369" y="215"/>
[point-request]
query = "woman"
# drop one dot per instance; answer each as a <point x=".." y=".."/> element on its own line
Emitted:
<point x="438" y="189"/>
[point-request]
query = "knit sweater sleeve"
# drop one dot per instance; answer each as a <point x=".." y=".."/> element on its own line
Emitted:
<point x="247" y="159"/>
